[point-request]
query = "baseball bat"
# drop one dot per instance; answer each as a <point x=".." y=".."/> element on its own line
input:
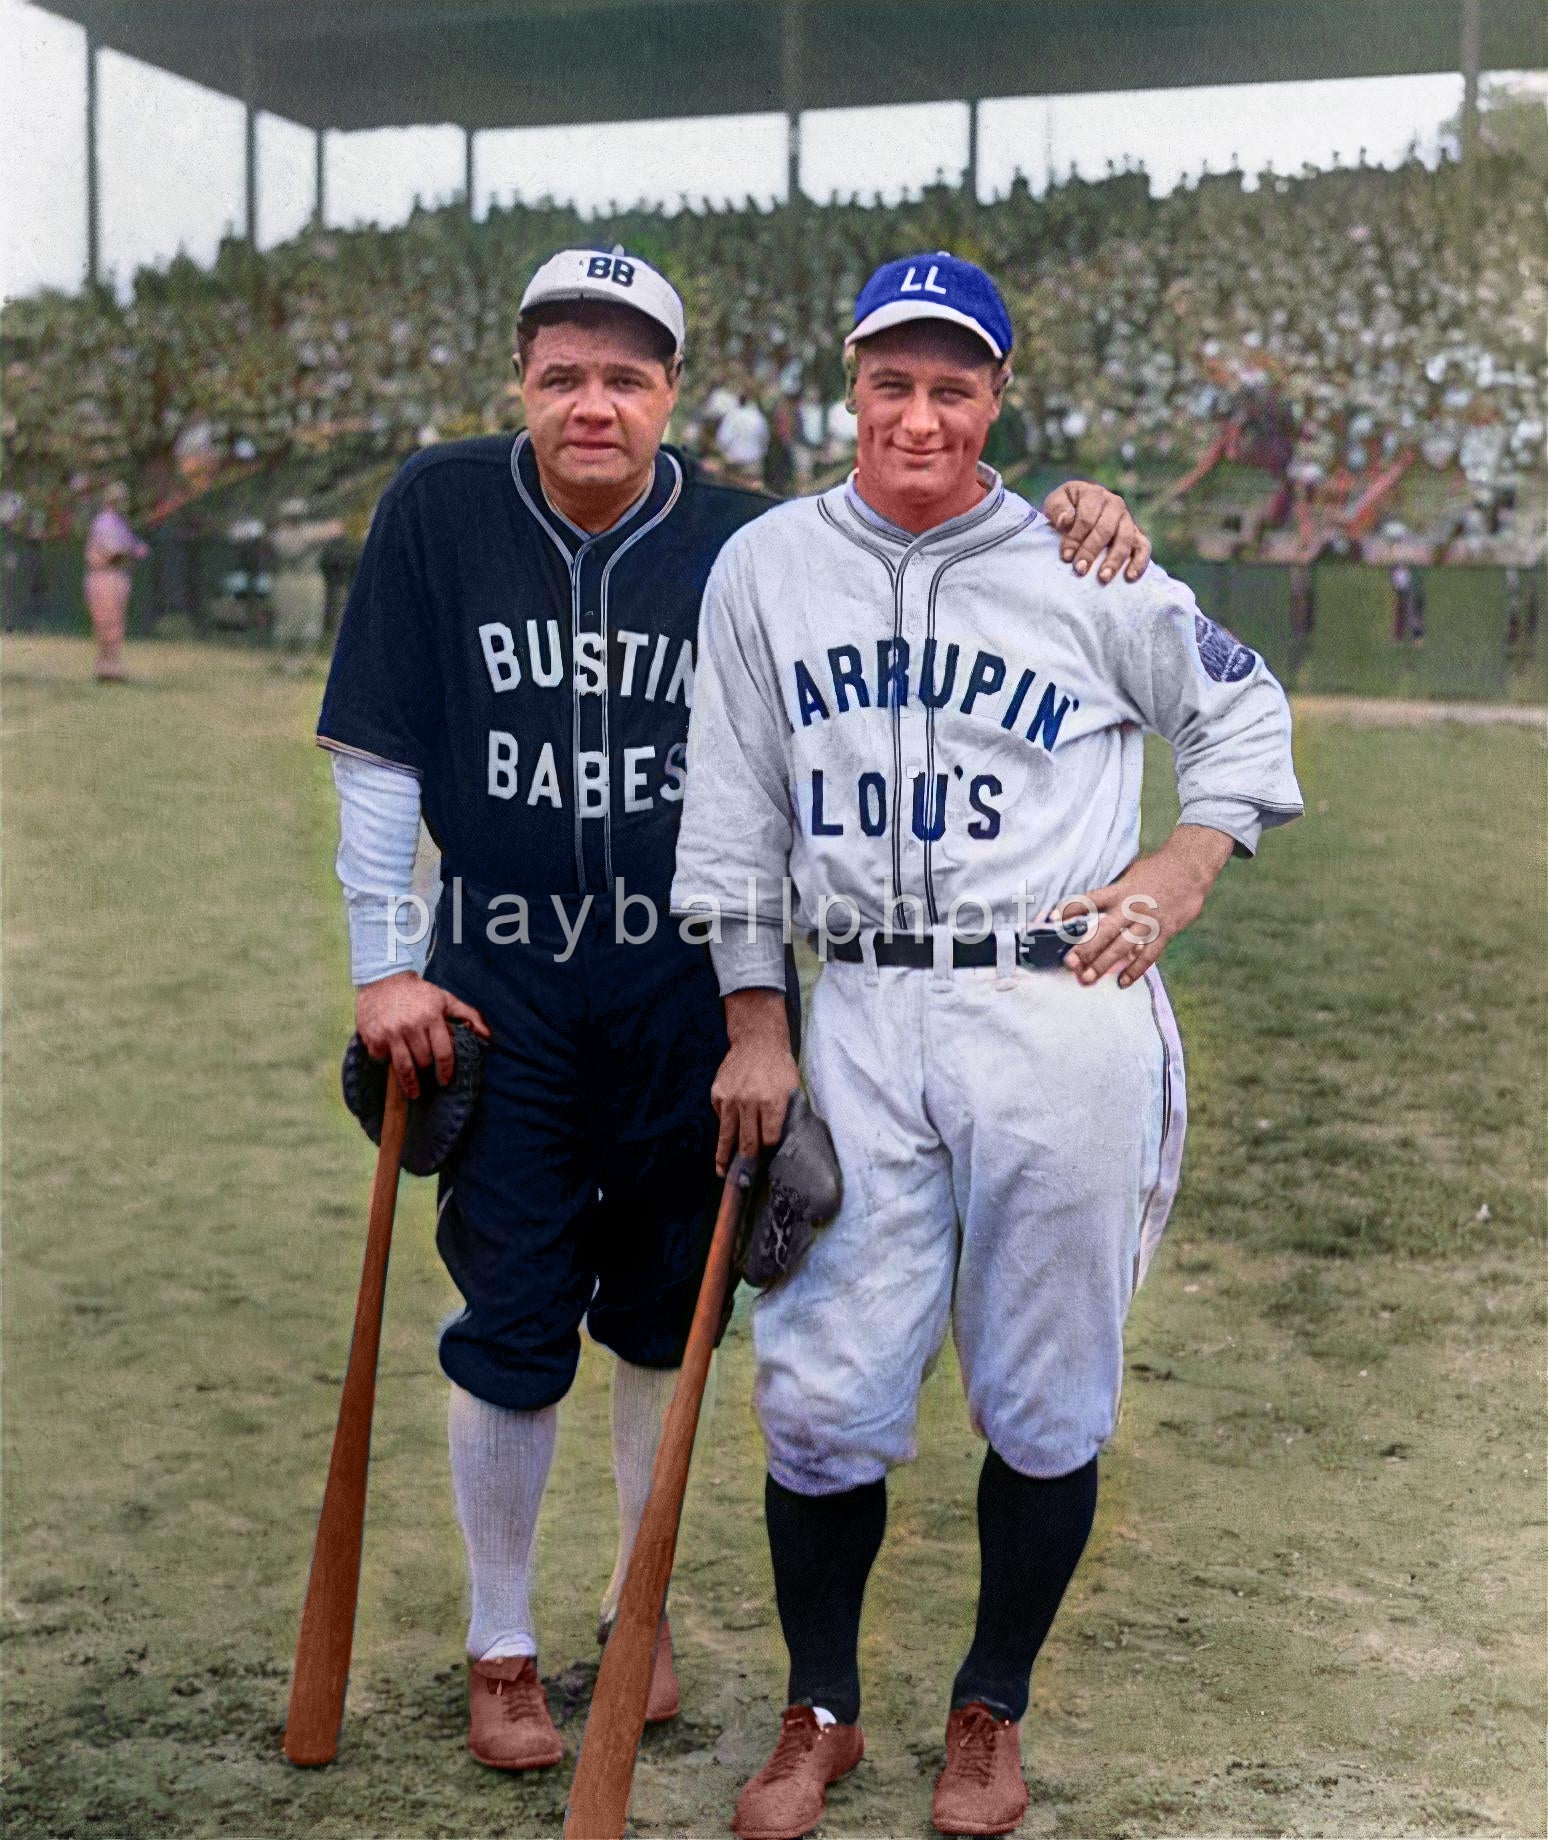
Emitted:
<point x="604" y="1771"/>
<point x="328" y="1616"/>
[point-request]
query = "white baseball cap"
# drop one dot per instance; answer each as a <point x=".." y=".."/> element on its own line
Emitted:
<point x="616" y="277"/>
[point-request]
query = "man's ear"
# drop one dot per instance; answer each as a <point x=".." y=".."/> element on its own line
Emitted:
<point x="1000" y="386"/>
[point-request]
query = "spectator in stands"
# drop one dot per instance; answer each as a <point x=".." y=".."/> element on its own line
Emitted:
<point x="842" y="429"/>
<point x="779" y="467"/>
<point x="112" y="549"/>
<point x="814" y="426"/>
<point x="743" y="440"/>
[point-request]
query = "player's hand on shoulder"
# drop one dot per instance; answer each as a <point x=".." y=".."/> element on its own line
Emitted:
<point x="404" y="1019"/>
<point x="1095" y="522"/>
<point x="757" y="1077"/>
<point x="1156" y="898"/>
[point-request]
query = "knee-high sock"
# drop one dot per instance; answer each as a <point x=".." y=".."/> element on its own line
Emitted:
<point x="823" y="1548"/>
<point x="640" y="1399"/>
<point x="1031" y="1534"/>
<point x="499" y="1465"/>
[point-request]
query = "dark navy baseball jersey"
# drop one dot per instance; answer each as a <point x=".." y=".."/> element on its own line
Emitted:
<point x="537" y="679"/>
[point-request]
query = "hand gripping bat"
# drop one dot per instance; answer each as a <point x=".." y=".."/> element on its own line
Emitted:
<point x="604" y="1771"/>
<point x="328" y="1617"/>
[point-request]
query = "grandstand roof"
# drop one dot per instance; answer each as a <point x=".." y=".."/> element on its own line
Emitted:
<point x="514" y="63"/>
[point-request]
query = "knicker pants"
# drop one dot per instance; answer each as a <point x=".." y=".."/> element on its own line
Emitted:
<point x="1010" y="1150"/>
<point x="585" y="1184"/>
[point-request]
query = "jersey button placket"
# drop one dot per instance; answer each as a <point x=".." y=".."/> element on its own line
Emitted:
<point x="590" y="731"/>
<point x="912" y="731"/>
<point x="592" y="628"/>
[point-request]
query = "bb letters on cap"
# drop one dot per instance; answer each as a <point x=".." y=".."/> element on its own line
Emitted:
<point x="611" y="268"/>
<point x="908" y="285"/>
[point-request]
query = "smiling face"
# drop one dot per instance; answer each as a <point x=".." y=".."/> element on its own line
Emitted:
<point x="599" y="385"/>
<point x="926" y="394"/>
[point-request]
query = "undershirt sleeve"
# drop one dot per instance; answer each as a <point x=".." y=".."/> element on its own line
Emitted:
<point x="378" y="840"/>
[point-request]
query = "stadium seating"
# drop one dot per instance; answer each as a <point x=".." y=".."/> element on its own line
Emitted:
<point x="1143" y="326"/>
<point x="1293" y="370"/>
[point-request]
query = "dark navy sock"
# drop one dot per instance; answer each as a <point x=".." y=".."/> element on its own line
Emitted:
<point x="823" y="1548"/>
<point x="1031" y="1534"/>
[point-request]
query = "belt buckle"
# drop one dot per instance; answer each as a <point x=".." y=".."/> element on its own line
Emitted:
<point x="1044" y="947"/>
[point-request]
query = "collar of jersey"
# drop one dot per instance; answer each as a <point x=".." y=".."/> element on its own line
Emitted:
<point x="872" y="519"/>
<point x="653" y="503"/>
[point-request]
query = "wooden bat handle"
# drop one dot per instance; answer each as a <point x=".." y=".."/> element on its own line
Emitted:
<point x="604" y="1771"/>
<point x="328" y="1617"/>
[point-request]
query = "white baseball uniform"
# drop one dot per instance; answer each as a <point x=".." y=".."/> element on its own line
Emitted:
<point x="950" y="726"/>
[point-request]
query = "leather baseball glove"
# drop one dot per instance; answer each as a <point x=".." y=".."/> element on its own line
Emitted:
<point x="799" y="1191"/>
<point x="437" y="1118"/>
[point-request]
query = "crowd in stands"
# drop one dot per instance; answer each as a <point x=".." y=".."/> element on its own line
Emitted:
<point x="1333" y="322"/>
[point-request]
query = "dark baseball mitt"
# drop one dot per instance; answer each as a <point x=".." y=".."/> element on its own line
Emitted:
<point x="799" y="1190"/>
<point x="437" y="1118"/>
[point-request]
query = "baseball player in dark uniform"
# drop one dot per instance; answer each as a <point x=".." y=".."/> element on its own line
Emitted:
<point x="515" y="666"/>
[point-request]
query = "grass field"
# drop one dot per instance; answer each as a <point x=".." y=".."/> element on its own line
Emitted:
<point x="1314" y="1601"/>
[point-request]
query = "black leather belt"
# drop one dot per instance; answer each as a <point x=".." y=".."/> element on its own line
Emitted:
<point x="1043" y="950"/>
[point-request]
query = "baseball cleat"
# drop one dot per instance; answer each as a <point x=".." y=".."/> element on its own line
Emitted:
<point x="981" y="1790"/>
<point x="788" y="1795"/>
<point x="509" y="1727"/>
<point x="665" y="1697"/>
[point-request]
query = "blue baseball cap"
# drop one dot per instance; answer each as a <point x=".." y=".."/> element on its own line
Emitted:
<point x="938" y="286"/>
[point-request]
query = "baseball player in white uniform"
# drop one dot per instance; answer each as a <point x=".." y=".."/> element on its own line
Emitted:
<point x="908" y="707"/>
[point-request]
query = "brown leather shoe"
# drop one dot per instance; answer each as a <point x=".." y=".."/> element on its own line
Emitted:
<point x="787" y="1796"/>
<point x="665" y="1697"/>
<point x="508" y="1723"/>
<point x="981" y="1790"/>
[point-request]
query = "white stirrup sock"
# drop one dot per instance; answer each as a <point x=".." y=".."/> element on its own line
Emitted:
<point x="499" y="1465"/>
<point x="640" y="1398"/>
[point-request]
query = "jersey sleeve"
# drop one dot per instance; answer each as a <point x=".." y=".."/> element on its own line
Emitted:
<point x="734" y="846"/>
<point x="383" y="698"/>
<point x="1221" y="708"/>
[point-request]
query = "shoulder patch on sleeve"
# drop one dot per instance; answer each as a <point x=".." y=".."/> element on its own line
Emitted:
<point x="1222" y="654"/>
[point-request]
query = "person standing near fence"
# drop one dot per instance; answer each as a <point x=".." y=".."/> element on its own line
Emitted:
<point x="1407" y="606"/>
<point x="112" y="549"/>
